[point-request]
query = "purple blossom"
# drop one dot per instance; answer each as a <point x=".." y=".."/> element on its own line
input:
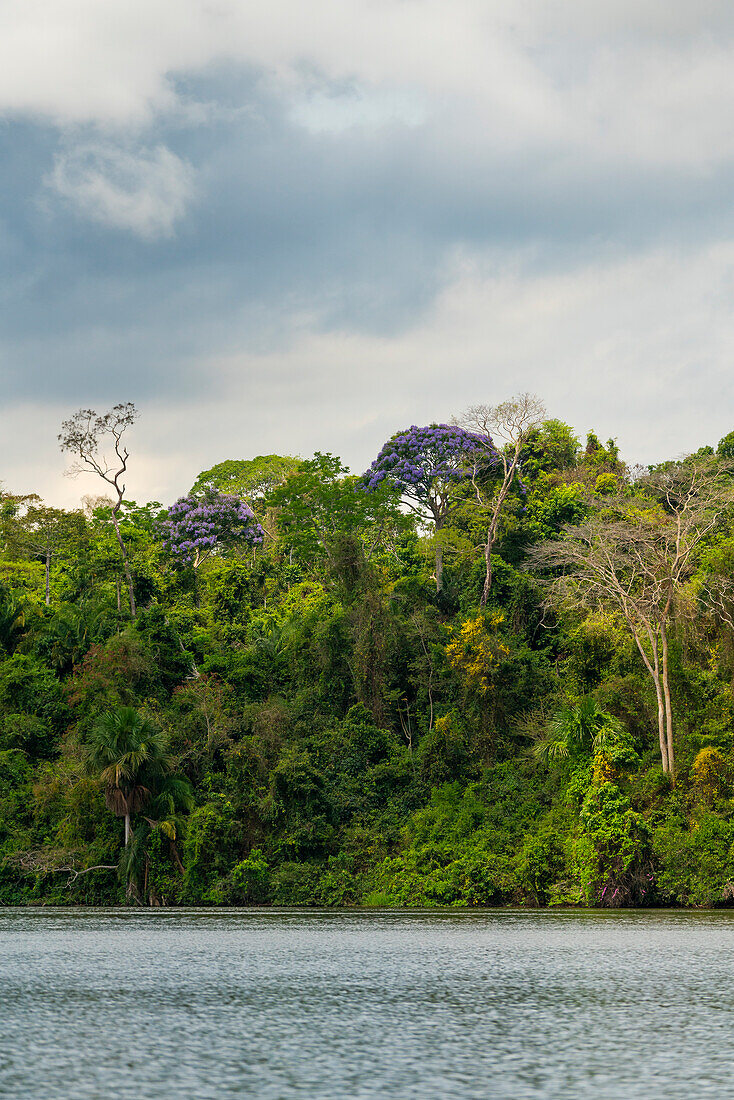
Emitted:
<point x="195" y="526"/>
<point x="424" y="463"/>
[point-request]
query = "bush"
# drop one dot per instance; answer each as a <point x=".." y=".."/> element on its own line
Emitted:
<point x="540" y="864"/>
<point x="251" y="879"/>
<point x="614" y="851"/>
<point x="695" y="862"/>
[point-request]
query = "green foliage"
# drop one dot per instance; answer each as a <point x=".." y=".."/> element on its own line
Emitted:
<point x="119" y="673"/>
<point x="541" y="862"/>
<point x="695" y="858"/>
<point x="251" y="879"/>
<point x="13" y="617"/>
<point x="445" y="752"/>
<point x="598" y="647"/>
<point x="28" y="690"/>
<point x="311" y="723"/>
<point x="614" y="850"/>
<point x="586" y="728"/>
<point x="252" y="479"/>
<point x="458" y="849"/>
<point x="212" y="847"/>
<point x="551" y="447"/>
<point x="319" y="505"/>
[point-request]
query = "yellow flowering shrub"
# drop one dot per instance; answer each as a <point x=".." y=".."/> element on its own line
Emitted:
<point x="475" y="652"/>
<point x="710" y="773"/>
<point x="603" y="770"/>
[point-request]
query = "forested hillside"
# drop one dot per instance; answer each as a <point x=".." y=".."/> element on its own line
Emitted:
<point x="495" y="669"/>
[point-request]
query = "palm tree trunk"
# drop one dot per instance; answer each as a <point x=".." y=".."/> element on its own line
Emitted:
<point x="127" y="829"/>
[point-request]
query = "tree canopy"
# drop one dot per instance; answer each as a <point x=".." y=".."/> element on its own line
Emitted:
<point x="495" y="669"/>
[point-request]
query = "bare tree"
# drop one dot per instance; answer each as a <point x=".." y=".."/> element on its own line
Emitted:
<point x="85" y="435"/>
<point x="506" y="426"/>
<point x="52" y="861"/>
<point x="634" y="556"/>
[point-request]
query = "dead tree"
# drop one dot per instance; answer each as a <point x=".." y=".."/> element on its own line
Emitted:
<point x="505" y="428"/>
<point x="85" y="435"/>
<point x="633" y="557"/>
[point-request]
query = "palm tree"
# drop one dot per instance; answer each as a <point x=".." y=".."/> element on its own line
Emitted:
<point x="584" y="727"/>
<point x="130" y="755"/>
<point x="162" y="815"/>
<point x="13" y="624"/>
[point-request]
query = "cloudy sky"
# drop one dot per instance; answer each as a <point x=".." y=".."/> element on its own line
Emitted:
<point x="279" y="226"/>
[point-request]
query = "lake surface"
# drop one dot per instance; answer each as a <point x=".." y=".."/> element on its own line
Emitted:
<point x="200" y="1004"/>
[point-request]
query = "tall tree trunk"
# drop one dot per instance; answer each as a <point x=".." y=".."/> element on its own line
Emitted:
<point x="494" y="525"/>
<point x="125" y="564"/>
<point x="488" y="573"/>
<point x="127" y="829"/>
<point x="439" y="567"/>
<point x="668" y="702"/>
<point x="661" y="727"/>
<point x="48" y="575"/>
<point x="654" y="670"/>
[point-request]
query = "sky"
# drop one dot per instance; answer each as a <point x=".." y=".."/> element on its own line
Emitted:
<point x="280" y="227"/>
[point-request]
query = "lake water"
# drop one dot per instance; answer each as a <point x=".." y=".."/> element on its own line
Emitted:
<point x="200" y="1004"/>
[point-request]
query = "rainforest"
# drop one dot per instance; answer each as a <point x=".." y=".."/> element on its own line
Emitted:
<point x="494" y="669"/>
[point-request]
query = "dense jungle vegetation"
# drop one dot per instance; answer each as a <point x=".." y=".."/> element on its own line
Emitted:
<point x="496" y="669"/>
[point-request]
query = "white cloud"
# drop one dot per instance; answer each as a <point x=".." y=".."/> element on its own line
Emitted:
<point x="76" y="61"/>
<point x="635" y="347"/>
<point x="661" y="19"/>
<point x="550" y="93"/>
<point x="146" y="192"/>
<point x="652" y="82"/>
<point x="638" y="348"/>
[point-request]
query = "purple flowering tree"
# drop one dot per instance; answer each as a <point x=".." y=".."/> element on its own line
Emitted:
<point x="427" y="464"/>
<point x="197" y="525"/>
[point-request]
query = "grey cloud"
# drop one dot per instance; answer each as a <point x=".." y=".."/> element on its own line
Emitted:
<point x="291" y="234"/>
<point x="353" y="227"/>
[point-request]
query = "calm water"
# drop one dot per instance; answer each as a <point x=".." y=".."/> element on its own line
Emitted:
<point x="194" y="1004"/>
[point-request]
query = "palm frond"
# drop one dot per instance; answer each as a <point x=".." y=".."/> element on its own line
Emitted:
<point x="581" y="728"/>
